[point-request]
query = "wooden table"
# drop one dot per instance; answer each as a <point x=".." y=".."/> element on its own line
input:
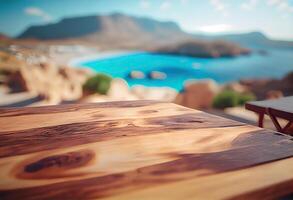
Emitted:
<point x="276" y="108"/>
<point x="138" y="150"/>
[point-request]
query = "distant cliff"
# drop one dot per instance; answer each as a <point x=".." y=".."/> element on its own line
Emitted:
<point x="212" y="49"/>
<point x="250" y="40"/>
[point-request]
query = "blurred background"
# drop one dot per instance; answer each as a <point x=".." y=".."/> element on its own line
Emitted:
<point x="212" y="55"/>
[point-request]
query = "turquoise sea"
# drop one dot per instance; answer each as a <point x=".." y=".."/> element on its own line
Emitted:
<point x="275" y="64"/>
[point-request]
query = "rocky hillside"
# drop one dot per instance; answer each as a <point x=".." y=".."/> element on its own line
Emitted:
<point x="265" y="88"/>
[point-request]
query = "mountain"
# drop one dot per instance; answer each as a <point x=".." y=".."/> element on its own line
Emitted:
<point x="119" y="30"/>
<point x="249" y="40"/>
<point x="109" y="29"/>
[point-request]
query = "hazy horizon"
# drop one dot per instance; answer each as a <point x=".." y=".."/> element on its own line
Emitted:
<point x="274" y="18"/>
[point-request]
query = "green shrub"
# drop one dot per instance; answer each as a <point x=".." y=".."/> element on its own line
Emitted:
<point x="227" y="98"/>
<point x="230" y="98"/>
<point x="100" y="83"/>
<point x="243" y="98"/>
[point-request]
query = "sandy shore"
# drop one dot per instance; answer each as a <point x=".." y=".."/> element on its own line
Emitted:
<point x="75" y="61"/>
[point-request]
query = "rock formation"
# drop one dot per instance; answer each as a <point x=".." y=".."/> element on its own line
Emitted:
<point x="136" y="74"/>
<point x="157" y="75"/>
<point x="198" y="94"/>
<point x="265" y="88"/>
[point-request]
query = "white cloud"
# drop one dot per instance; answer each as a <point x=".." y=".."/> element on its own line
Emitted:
<point x="220" y="6"/>
<point x="35" y="11"/>
<point x="273" y="2"/>
<point x="249" y="5"/>
<point x="215" y="28"/>
<point x="282" y="5"/>
<point x="145" y="4"/>
<point x="165" y="5"/>
<point x="184" y="1"/>
<point x="217" y="4"/>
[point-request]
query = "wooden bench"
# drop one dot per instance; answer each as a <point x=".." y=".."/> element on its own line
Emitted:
<point x="138" y="150"/>
<point x="278" y="108"/>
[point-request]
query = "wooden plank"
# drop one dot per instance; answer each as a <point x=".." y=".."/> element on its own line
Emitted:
<point x="138" y="150"/>
<point x="30" y="140"/>
<point x="45" y="117"/>
<point x="180" y="166"/>
<point x="249" y="183"/>
<point x="8" y="112"/>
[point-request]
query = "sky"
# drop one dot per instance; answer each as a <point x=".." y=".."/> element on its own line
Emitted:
<point x="272" y="17"/>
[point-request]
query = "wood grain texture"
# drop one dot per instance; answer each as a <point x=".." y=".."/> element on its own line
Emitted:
<point x="138" y="150"/>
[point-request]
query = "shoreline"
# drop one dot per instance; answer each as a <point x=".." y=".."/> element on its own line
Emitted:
<point x="75" y="62"/>
<point x="81" y="60"/>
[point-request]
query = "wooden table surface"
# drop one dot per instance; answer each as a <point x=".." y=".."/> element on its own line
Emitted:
<point x="138" y="150"/>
